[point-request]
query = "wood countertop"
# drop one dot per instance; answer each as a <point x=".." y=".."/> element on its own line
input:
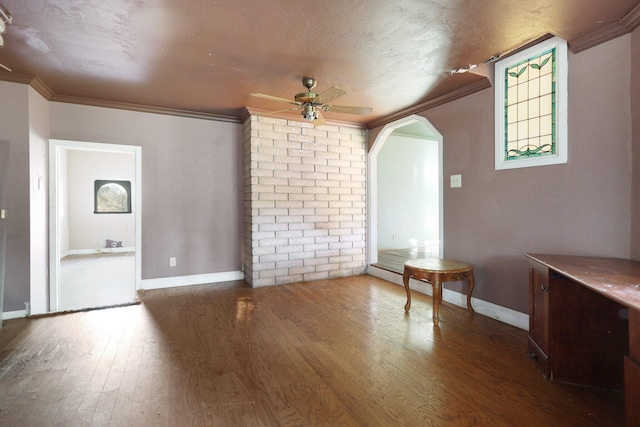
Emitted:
<point x="615" y="278"/>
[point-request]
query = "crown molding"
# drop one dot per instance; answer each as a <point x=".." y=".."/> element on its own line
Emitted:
<point x="431" y="103"/>
<point x="40" y="87"/>
<point x="627" y="24"/>
<point x="37" y="84"/>
<point x="245" y="114"/>
<point x="143" y="108"/>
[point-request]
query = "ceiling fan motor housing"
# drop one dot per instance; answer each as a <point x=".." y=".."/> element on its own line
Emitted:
<point x="305" y="97"/>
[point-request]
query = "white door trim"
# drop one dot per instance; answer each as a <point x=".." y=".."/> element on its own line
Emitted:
<point x="56" y="148"/>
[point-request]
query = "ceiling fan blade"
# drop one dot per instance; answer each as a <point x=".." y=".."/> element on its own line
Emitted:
<point x="319" y="121"/>
<point x="274" y="98"/>
<point x="330" y="94"/>
<point x="280" y="111"/>
<point x="363" y="111"/>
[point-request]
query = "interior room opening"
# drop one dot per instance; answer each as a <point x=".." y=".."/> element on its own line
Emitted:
<point x="406" y="193"/>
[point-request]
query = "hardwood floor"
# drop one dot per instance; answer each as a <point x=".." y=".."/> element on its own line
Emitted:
<point x="334" y="352"/>
<point x="393" y="259"/>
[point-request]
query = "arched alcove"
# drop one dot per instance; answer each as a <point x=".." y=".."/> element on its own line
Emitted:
<point x="411" y="127"/>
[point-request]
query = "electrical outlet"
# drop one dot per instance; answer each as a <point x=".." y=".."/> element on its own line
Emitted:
<point x="172" y="262"/>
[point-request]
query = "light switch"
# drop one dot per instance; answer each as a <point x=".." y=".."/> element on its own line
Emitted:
<point x="455" y="181"/>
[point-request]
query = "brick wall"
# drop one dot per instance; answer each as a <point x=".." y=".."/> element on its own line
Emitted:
<point x="304" y="200"/>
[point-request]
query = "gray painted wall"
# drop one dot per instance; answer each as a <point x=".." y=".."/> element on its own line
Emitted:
<point x="408" y="193"/>
<point x="635" y="116"/>
<point x="86" y="229"/>
<point x="582" y="207"/>
<point x="14" y="127"/>
<point x="192" y="181"/>
<point x="192" y="187"/>
<point x="191" y="184"/>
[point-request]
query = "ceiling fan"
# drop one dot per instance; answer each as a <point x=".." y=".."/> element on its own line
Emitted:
<point x="311" y="104"/>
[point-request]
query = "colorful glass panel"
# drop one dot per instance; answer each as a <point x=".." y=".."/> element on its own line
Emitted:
<point x="530" y="98"/>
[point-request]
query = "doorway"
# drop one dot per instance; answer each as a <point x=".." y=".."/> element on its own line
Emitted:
<point x="94" y="254"/>
<point x="405" y="193"/>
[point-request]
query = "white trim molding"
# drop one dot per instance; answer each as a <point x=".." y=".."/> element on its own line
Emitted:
<point x="57" y="150"/>
<point x="372" y="181"/>
<point x="97" y="251"/>
<point x="8" y="315"/>
<point x="195" y="279"/>
<point x="494" y="311"/>
<point x="557" y="49"/>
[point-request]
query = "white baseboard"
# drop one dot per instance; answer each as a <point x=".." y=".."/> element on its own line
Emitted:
<point x="498" y="312"/>
<point x="8" y="315"/>
<point x="97" y="251"/>
<point x="165" y="282"/>
<point x="195" y="279"/>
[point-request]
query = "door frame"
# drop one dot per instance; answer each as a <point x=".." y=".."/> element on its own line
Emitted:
<point x="56" y="149"/>
<point x="372" y="180"/>
<point x="5" y="147"/>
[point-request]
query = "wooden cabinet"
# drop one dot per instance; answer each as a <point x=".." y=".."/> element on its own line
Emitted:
<point x="577" y="335"/>
<point x="539" y="315"/>
<point x="632" y="371"/>
<point x="584" y="323"/>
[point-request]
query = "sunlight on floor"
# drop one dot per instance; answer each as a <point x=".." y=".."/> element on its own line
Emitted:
<point x="101" y="280"/>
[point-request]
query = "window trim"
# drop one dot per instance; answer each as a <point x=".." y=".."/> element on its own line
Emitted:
<point x="99" y="183"/>
<point x="561" y="145"/>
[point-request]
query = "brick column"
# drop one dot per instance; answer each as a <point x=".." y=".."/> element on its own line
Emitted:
<point x="304" y="200"/>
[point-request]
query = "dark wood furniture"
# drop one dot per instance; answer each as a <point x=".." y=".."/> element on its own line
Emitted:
<point x="584" y="323"/>
<point x="435" y="271"/>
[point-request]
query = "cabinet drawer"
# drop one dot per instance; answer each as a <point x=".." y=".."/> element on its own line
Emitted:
<point x="539" y="305"/>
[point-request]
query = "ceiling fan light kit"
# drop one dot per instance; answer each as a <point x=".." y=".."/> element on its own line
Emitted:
<point x="310" y="104"/>
<point x="310" y="113"/>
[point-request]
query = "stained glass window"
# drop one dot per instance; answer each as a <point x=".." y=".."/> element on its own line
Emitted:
<point x="531" y="107"/>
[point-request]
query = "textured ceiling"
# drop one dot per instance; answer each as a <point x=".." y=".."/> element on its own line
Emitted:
<point x="208" y="56"/>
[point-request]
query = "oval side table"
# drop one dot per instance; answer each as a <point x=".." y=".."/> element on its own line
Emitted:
<point x="435" y="271"/>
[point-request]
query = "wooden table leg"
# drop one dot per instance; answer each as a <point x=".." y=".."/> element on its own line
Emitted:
<point x="471" y="282"/>
<point x="405" y="280"/>
<point x="437" y="298"/>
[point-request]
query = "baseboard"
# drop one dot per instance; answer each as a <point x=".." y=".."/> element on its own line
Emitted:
<point x="165" y="282"/>
<point x="97" y="251"/>
<point x="498" y="312"/>
<point x="195" y="279"/>
<point x="8" y="315"/>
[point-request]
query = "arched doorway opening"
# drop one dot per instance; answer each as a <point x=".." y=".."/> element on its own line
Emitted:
<point x="405" y="184"/>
